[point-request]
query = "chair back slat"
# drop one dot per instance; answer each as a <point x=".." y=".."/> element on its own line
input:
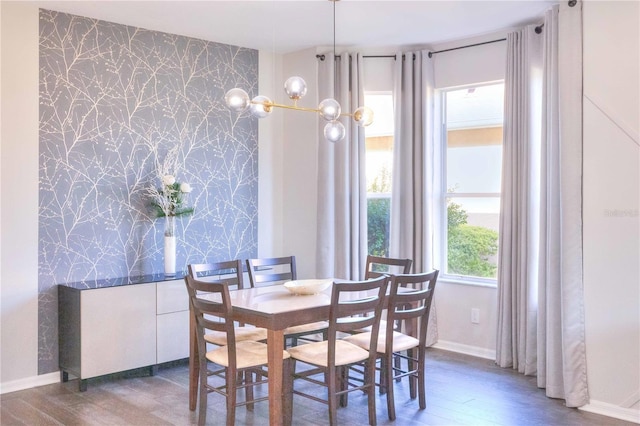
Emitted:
<point x="210" y="299"/>
<point x="410" y="297"/>
<point x="271" y="270"/>
<point x="348" y="313"/>
<point x="229" y="272"/>
<point x="377" y="266"/>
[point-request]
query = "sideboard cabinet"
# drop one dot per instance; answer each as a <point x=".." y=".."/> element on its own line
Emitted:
<point x="110" y="329"/>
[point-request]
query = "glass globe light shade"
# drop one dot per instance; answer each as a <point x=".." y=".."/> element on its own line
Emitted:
<point x="334" y="131"/>
<point x="329" y="109"/>
<point x="295" y="87"/>
<point x="258" y="108"/>
<point x="363" y="116"/>
<point x="237" y="100"/>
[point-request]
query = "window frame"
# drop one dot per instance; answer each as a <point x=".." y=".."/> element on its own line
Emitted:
<point x="442" y="233"/>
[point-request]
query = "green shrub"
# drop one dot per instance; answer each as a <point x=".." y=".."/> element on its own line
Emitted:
<point x="470" y="248"/>
<point x="378" y="226"/>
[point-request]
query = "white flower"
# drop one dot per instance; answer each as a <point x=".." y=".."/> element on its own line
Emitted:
<point x="168" y="180"/>
<point x="185" y="188"/>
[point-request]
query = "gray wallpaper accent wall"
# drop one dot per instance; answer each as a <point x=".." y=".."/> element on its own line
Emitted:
<point x="113" y="100"/>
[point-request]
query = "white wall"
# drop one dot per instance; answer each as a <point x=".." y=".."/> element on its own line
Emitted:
<point x="19" y="188"/>
<point x="299" y="169"/>
<point x="611" y="203"/>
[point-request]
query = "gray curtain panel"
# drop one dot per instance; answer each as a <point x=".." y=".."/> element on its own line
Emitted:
<point x="342" y="194"/>
<point x="415" y="138"/>
<point x="540" y="283"/>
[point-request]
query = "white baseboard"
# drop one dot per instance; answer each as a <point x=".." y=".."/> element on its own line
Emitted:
<point x="466" y="349"/>
<point x="29" y="382"/>
<point x="611" y="410"/>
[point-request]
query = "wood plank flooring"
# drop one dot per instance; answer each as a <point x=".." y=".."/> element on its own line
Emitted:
<point x="461" y="390"/>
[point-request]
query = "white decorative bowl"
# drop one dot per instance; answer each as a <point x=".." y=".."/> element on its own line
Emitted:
<point x="307" y="286"/>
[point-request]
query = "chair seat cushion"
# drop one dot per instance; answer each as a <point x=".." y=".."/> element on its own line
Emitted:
<point x="401" y="342"/>
<point x="316" y="353"/>
<point x="248" y="354"/>
<point x="307" y="328"/>
<point x="242" y="333"/>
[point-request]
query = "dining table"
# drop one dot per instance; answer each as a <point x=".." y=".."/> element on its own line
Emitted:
<point x="274" y="308"/>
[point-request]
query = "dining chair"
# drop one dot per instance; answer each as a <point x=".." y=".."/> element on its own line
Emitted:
<point x="377" y="265"/>
<point x="331" y="358"/>
<point x="233" y="362"/>
<point x="278" y="270"/>
<point x="231" y="273"/>
<point x="404" y="334"/>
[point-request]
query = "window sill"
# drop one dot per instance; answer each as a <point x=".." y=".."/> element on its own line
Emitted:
<point x="466" y="281"/>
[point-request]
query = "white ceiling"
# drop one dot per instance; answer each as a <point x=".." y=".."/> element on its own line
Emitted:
<point x="287" y="26"/>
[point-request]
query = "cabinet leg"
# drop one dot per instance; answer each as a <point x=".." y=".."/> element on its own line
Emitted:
<point x="153" y="370"/>
<point x="64" y="376"/>
<point x="82" y="385"/>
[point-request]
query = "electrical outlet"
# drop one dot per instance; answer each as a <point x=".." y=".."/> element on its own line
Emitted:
<point x="475" y="316"/>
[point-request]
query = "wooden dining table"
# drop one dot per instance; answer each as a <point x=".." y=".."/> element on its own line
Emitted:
<point x="273" y="308"/>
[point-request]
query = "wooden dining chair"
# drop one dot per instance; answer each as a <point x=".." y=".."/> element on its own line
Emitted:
<point x="278" y="270"/>
<point x="232" y="362"/>
<point x="231" y="273"/>
<point x="404" y="335"/>
<point x="331" y="359"/>
<point x="377" y="265"/>
<point x="271" y="270"/>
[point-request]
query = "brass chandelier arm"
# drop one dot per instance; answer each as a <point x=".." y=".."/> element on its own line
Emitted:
<point x="269" y="105"/>
<point x="293" y="107"/>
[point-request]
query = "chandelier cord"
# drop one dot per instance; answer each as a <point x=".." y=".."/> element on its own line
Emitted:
<point x="335" y="66"/>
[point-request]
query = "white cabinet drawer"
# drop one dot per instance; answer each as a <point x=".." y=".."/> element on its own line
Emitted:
<point x="118" y="329"/>
<point x="173" y="336"/>
<point x="172" y="297"/>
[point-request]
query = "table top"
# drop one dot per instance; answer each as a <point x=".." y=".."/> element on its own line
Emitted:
<point x="275" y="308"/>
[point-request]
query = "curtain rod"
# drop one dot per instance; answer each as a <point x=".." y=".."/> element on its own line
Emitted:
<point x="322" y="57"/>
<point x="464" y="47"/>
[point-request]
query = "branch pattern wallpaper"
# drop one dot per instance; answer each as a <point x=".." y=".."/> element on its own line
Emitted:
<point x="114" y="100"/>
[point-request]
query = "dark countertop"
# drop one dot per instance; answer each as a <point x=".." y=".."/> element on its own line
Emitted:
<point x="122" y="281"/>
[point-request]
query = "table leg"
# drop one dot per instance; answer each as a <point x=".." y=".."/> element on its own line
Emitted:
<point x="275" y="343"/>
<point x="194" y="366"/>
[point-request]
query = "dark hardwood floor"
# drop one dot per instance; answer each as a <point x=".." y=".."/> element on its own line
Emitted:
<point x="461" y="390"/>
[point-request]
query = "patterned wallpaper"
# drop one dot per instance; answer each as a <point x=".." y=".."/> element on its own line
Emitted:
<point x="114" y="100"/>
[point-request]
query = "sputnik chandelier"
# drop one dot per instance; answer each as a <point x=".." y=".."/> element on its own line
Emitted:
<point x="295" y="87"/>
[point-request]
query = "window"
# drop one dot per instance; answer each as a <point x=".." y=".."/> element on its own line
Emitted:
<point x="472" y="141"/>
<point x="379" y="161"/>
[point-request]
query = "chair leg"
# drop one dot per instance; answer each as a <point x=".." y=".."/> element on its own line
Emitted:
<point x="332" y="398"/>
<point x="369" y="377"/>
<point x="411" y="364"/>
<point x="398" y="363"/>
<point x="202" y="410"/>
<point x="421" y="382"/>
<point x="231" y="396"/>
<point x="246" y="378"/>
<point x="383" y="375"/>
<point x="391" y="407"/>
<point x="344" y="384"/>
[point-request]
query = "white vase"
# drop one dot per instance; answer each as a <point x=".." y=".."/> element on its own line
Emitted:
<point x="170" y="246"/>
